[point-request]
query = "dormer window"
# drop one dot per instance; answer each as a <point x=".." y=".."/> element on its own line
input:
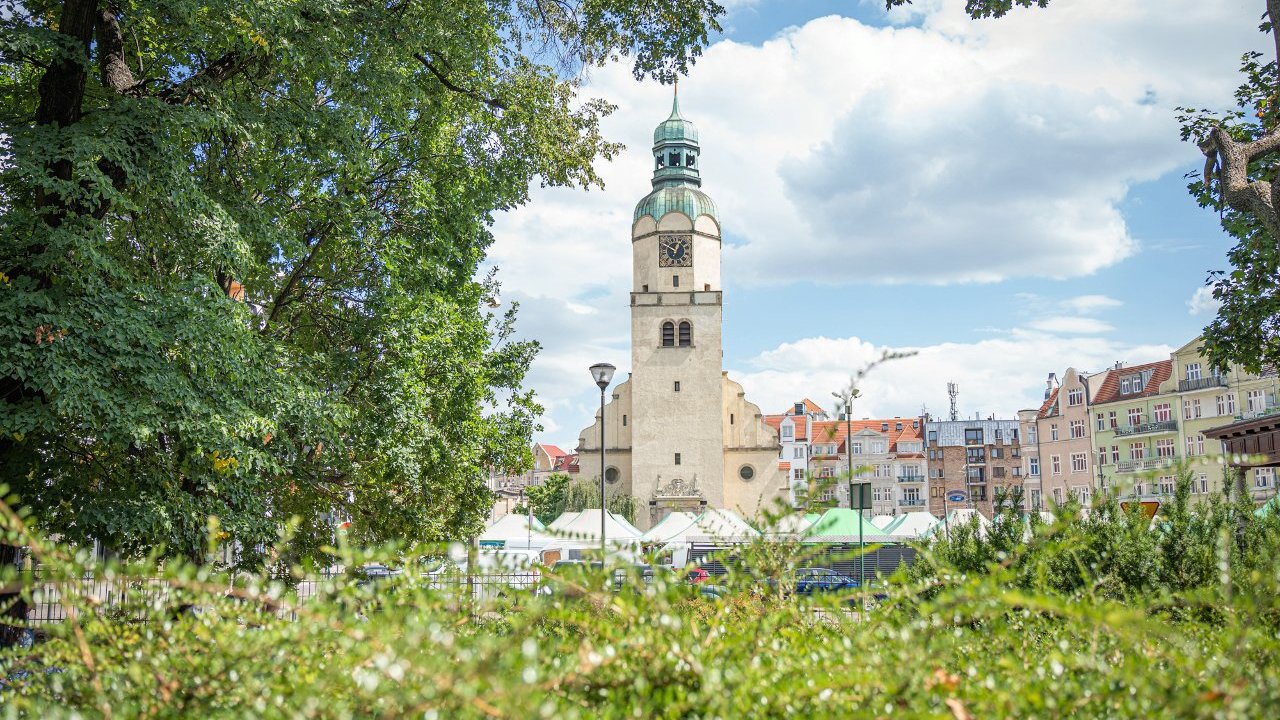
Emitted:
<point x="799" y="408"/>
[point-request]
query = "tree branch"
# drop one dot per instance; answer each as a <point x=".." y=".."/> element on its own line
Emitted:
<point x="444" y="80"/>
<point x="1232" y="160"/>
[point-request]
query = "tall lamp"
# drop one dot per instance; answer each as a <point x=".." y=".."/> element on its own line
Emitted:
<point x="602" y="373"/>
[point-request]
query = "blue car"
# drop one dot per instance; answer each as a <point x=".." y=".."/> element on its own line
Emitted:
<point x="817" y="580"/>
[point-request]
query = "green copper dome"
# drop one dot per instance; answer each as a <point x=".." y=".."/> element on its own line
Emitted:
<point x="675" y="128"/>
<point x="684" y="199"/>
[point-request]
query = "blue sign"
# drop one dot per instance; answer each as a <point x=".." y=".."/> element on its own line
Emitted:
<point x="956" y="496"/>
<point x="496" y="544"/>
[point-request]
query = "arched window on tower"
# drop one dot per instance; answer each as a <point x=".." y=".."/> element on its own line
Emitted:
<point x="658" y="160"/>
<point x="673" y="159"/>
<point x="668" y="334"/>
<point x="686" y="334"/>
<point x="688" y="159"/>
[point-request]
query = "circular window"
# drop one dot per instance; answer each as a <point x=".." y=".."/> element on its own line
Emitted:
<point x="611" y="474"/>
<point x="746" y="472"/>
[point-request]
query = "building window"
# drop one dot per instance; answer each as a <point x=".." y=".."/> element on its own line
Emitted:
<point x="677" y="458"/>
<point x="686" y="334"/>
<point x="624" y="421"/>
<point x="933" y="436"/>
<point x="611" y="475"/>
<point x="1190" y="409"/>
<point x="668" y="334"/>
<point x="1226" y="404"/>
<point x="975" y="456"/>
<point x="1102" y="422"/>
<point x="673" y="159"/>
<point x="1126" y="386"/>
<point x="1256" y="401"/>
<point x="1193" y="371"/>
<point x="677" y="386"/>
<point x="1017" y="452"/>
<point x="1102" y="456"/>
<point x="688" y="159"/>
<point x="1137" y="451"/>
<point x="675" y="281"/>
<point x="730" y="418"/>
<point x="973" y="436"/>
<point x="1164" y="448"/>
<point x="1083" y="494"/>
<point x="1033" y="466"/>
<point x="1077" y="428"/>
<point x="788" y="432"/>
<point x="1195" y="445"/>
<point x="997" y="453"/>
<point x="1079" y="462"/>
<point x="798" y="474"/>
<point x="1165" y="484"/>
<point x="1115" y="454"/>
<point x="1055" y="464"/>
<point x="1135" y="417"/>
<point x="997" y="471"/>
<point x="1053" y="432"/>
<point x="1264" y="477"/>
<point x="1032" y="434"/>
<point x="1163" y="412"/>
<point x="877" y="447"/>
<point x="1057" y="495"/>
<point x="1111" y="419"/>
<point x="1075" y="396"/>
<point x="746" y="472"/>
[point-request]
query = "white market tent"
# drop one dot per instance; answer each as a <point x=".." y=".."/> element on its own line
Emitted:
<point x="514" y="531"/>
<point x="913" y="525"/>
<point x="884" y="522"/>
<point x="964" y="516"/>
<point x="717" y="524"/>
<point x="789" y="525"/>
<point x="582" y="529"/>
<point x="669" y="527"/>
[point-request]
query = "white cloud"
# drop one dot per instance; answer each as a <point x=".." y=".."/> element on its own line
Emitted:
<point x="1068" y="325"/>
<point x="956" y="151"/>
<point x="1090" y="304"/>
<point x="1203" y="302"/>
<point x="996" y="376"/>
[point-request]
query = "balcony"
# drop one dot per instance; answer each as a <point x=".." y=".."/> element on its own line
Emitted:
<point x="1148" y="428"/>
<point x="910" y="478"/>
<point x="1203" y="383"/>
<point x="1155" y="463"/>
<point x="911" y="502"/>
<point x="1271" y="408"/>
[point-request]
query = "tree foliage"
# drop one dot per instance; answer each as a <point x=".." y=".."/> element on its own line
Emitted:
<point x="240" y="253"/>
<point x="560" y="493"/>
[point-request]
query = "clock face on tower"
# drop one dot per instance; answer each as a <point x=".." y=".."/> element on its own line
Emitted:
<point x="675" y="251"/>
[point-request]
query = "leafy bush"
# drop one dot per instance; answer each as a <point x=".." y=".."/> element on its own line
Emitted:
<point x="1073" y="622"/>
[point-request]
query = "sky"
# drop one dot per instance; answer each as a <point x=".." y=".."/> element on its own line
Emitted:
<point x="1006" y="198"/>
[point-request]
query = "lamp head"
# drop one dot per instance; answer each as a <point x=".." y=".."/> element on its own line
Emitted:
<point x="602" y="373"/>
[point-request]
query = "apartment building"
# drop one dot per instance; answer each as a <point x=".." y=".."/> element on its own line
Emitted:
<point x="1135" y="429"/>
<point x="887" y="453"/>
<point x="1032" y="491"/>
<point x="971" y="462"/>
<point x="1064" y="445"/>
<point x="547" y="459"/>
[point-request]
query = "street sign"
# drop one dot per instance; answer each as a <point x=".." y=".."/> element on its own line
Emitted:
<point x="957" y="496"/>
<point x="1148" y="507"/>
<point x="860" y="496"/>
<point x="497" y="544"/>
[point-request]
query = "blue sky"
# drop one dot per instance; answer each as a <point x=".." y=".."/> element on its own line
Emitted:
<point x="1006" y="196"/>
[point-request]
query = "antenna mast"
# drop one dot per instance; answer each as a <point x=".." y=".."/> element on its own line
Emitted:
<point x="954" y="391"/>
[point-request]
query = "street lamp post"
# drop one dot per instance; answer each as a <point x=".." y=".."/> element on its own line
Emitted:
<point x="846" y="397"/>
<point x="602" y="373"/>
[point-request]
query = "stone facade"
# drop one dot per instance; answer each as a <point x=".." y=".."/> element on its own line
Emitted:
<point x="679" y="434"/>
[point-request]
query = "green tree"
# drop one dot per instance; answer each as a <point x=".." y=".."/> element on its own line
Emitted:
<point x="560" y="494"/>
<point x="240" y="247"/>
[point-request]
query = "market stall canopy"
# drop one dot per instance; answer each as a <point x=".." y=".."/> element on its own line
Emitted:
<point x="583" y="527"/>
<point x="957" y="518"/>
<point x="884" y="522"/>
<point x="788" y="525"/>
<point x="514" y="530"/>
<point x="913" y="525"/>
<point x="669" y="527"/>
<point x="842" y="525"/>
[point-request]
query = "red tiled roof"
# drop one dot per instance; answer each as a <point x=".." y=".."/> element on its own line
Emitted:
<point x="809" y="406"/>
<point x="801" y="424"/>
<point x="1110" y="390"/>
<point x="835" y="430"/>
<point x="784" y="465"/>
<point x="552" y="451"/>
<point x="1048" y="403"/>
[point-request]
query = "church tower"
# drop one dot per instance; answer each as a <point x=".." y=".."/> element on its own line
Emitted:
<point x="676" y="321"/>
<point x="679" y="434"/>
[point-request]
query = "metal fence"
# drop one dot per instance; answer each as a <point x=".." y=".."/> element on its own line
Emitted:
<point x="143" y="599"/>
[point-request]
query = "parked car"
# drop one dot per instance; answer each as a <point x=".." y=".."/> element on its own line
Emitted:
<point x="816" y="580"/>
<point x="697" y="575"/>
